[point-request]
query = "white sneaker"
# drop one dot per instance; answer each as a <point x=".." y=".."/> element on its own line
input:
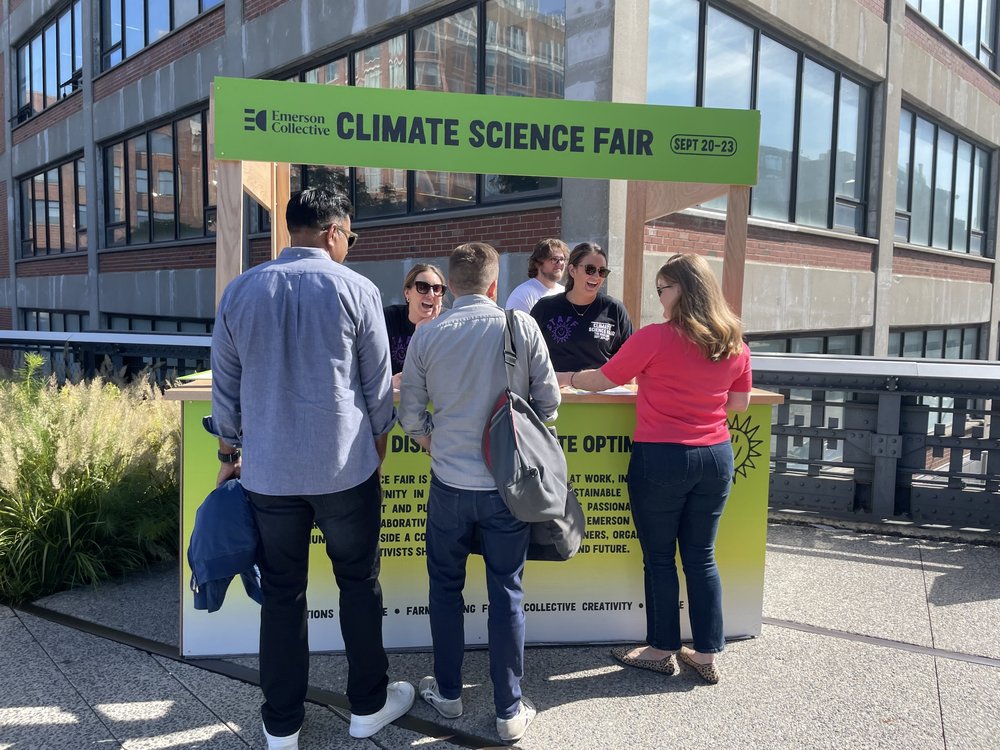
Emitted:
<point x="513" y="729"/>
<point x="289" y="742"/>
<point x="398" y="700"/>
<point x="448" y="708"/>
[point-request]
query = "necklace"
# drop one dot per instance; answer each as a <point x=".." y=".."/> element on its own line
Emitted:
<point x="578" y="313"/>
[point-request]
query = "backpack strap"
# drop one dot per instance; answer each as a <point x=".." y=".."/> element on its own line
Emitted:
<point x="509" y="350"/>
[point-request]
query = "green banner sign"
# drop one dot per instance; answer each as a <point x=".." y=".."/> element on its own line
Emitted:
<point x="300" y="123"/>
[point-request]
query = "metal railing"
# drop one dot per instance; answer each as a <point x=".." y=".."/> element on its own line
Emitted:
<point x="885" y="439"/>
<point x="74" y="355"/>
<point x="857" y="437"/>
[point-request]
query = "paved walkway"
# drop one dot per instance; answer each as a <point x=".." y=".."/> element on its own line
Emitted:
<point x="869" y="642"/>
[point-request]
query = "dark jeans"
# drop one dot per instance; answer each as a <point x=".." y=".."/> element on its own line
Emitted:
<point x="677" y="494"/>
<point x="453" y="516"/>
<point x="350" y="521"/>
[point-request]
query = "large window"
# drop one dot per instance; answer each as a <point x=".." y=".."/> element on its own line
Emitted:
<point x="162" y="368"/>
<point x="971" y="23"/>
<point x="814" y="119"/>
<point x="50" y="63"/>
<point x="941" y="185"/>
<point x="936" y="343"/>
<point x="838" y="344"/>
<point x="59" y="360"/>
<point x="128" y="26"/>
<point x="53" y="217"/>
<point x="523" y="45"/>
<point x="155" y="185"/>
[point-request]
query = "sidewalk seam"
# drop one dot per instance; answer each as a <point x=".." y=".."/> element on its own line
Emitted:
<point x="912" y="648"/>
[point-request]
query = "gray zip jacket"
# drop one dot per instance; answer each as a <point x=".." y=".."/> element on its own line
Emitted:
<point x="456" y="363"/>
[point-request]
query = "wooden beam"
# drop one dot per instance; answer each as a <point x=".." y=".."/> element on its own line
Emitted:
<point x="663" y="198"/>
<point x="258" y="182"/>
<point x="734" y="261"/>
<point x="635" y="242"/>
<point x="228" y="211"/>
<point x="281" y="192"/>
<point x="229" y="225"/>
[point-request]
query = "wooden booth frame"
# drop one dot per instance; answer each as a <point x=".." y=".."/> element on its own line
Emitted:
<point x="268" y="183"/>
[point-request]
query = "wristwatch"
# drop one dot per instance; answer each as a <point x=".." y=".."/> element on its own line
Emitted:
<point x="230" y="458"/>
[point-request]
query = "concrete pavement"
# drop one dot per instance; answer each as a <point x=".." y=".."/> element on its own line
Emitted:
<point x="870" y="641"/>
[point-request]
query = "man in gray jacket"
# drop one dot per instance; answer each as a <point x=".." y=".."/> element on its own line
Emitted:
<point x="456" y="363"/>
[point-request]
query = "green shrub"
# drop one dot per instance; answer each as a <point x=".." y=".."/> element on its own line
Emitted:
<point x="88" y="481"/>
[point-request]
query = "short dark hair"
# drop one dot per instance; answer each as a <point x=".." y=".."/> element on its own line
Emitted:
<point x="580" y="252"/>
<point x="472" y="267"/>
<point x="316" y="208"/>
<point x="542" y="252"/>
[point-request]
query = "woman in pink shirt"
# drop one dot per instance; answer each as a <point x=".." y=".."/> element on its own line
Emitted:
<point x="690" y="370"/>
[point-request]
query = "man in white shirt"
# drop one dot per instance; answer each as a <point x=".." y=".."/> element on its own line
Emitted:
<point x="545" y="267"/>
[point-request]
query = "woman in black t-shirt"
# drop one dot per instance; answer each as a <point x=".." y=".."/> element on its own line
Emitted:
<point x="582" y="327"/>
<point x="423" y="290"/>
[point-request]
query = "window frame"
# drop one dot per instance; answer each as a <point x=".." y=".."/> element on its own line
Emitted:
<point x="834" y="199"/>
<point x="24" y="53"/>
<point x="28" y="213"/>
<point x="977" y="244"/>
<point x="484" y="28"/>
<point x="113" y="53"/>
<point x="985" y="39"/>
<point x="120" y="175"/>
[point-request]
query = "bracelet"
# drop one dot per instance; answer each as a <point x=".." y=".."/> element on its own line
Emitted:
<point x="230" y="458"/>
<point x="571" y="380"/>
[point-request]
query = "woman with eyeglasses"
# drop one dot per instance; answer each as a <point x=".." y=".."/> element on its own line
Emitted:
<point x="423" y="290"/>
<point x="691" y="370"/>
<point x="583" y="327"/>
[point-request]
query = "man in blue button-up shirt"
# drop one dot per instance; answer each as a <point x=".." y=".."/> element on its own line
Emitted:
<point x="301" y="387"/>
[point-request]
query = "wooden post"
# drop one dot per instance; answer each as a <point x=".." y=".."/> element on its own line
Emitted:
<point x="734" y="261"/>
<point x="280" y="193"/>
<point x="228" y="211"/>
<point x="229" y="225"/>
<point x="632" y="266"/>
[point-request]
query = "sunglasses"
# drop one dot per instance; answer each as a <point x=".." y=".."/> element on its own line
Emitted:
<point x="590" y="269"/>
<point x="557" y="259"/>
<point x="351" y="236"/>
<point x="424" y="287"/>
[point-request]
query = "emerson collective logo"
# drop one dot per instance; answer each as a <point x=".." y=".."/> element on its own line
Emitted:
<point x="276" y="121"/>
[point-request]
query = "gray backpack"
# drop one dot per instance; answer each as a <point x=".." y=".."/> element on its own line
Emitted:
<point x="521" y="452"/>
<point x="529" y="467"/>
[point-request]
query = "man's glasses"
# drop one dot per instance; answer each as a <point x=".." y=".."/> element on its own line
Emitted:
<point x="557" y="259"/>
<point x="424" y="287"/>
<point x="351" y="236"/>
<point x="590" y="269"/>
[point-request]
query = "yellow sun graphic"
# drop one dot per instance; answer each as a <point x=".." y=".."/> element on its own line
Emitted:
<point x="745" y="444"/>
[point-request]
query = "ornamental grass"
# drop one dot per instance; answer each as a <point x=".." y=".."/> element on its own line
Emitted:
<point x="88" y="481"/>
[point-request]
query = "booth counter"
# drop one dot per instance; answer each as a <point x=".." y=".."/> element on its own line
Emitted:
<point x="595" y="597"/>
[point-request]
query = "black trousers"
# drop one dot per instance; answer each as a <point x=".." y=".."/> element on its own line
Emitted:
<point x="350" y="522"/>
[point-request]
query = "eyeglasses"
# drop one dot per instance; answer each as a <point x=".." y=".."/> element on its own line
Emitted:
<point x="557" y="259"/>
<point x="659" y="290"/>
<point x="424" y="287"/>
<point x="351" y="236"/>
<point x="590" y="269"/>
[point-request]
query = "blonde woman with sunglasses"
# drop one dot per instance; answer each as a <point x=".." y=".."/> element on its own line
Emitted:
<point x="423" y="290"/>
<point x="582" y="327"/>
<point x="691" y="371"/>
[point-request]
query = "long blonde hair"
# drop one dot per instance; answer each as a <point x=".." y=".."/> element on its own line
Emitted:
<point x="701" y="312"/>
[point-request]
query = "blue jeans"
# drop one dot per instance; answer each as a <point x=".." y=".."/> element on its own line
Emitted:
<point x="453" y="516"/>
<point x="677" y="494"/>
<point x="350" y="521"/>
